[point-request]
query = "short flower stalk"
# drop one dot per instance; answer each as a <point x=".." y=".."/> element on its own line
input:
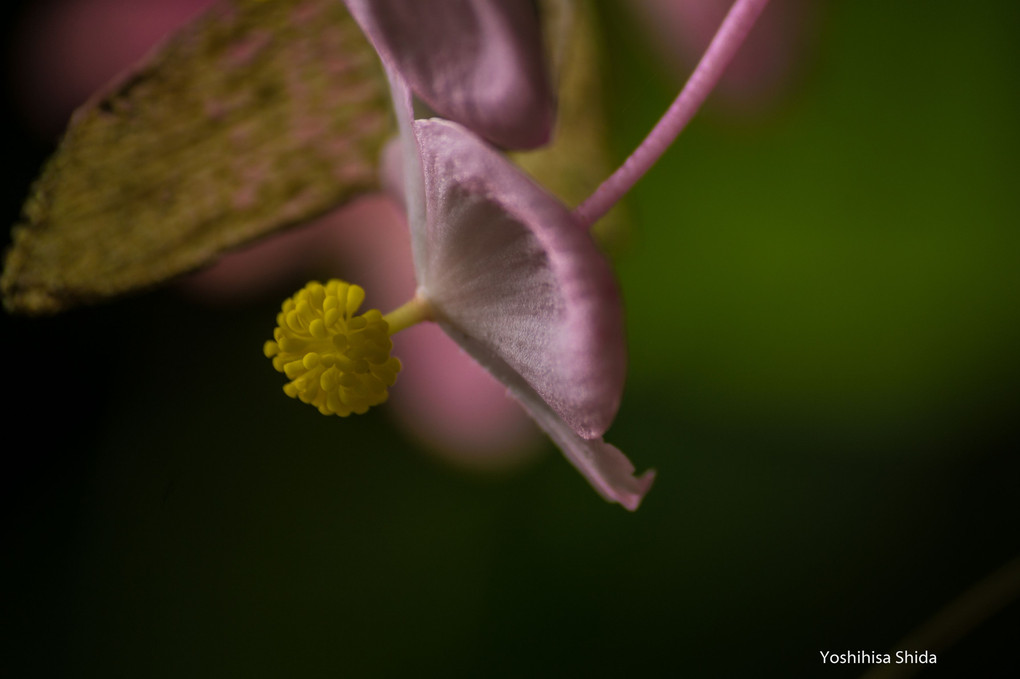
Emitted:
<point x="411" y="312"/>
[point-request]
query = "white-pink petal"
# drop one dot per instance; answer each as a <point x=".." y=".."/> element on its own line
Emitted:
<point x="606" y="468"/>
<point x="505" y="263"/>
<point x="521" y="288"/>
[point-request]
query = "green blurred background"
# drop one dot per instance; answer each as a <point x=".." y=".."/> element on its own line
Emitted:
<point x="822" y="312"/>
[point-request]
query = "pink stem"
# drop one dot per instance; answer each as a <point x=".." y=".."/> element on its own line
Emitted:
<point x="720" y="52"/>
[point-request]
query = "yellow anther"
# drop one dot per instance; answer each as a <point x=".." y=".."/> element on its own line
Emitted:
<point x="336" y="361"/>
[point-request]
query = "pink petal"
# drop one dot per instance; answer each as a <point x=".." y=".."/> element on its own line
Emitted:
<point x="475" y="61"/>
<point x="606" y="468"/>
<point x="506" y="264"/>
<point x="392" y="173"/>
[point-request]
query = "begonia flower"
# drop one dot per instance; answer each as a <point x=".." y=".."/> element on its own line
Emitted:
<point x="505" y="271"/>
<point x="508" y="272"/>
<point x="502" y="267"/>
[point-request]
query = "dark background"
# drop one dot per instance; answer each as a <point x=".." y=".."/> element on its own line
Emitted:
<point x="823" y="321"/>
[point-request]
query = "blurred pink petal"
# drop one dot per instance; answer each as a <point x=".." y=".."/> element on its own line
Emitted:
<point x="766" y="62"/>
<point x="454" y="406"/>
<point x="71" y="48"/>
<point x="391" y="170"/>
<point x="478" y="62"/>
<point x="334" y="244"/>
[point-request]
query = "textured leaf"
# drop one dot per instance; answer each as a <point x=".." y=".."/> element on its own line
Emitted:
<point x="258" y="115"/>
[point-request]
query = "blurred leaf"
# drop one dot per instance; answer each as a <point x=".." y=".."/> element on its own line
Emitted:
<point x="256" y="116"/>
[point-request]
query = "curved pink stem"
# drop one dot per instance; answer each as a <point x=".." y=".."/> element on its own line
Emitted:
<point x="720" y="52"/>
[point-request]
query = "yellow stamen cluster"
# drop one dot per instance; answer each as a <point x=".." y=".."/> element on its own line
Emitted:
<point x="336" y="361"/>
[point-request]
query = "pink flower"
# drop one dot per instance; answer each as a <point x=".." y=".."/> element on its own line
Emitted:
<point x="501" y="266"/>
<point x="513" y="276"/>
<point x="505" y="271"/>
